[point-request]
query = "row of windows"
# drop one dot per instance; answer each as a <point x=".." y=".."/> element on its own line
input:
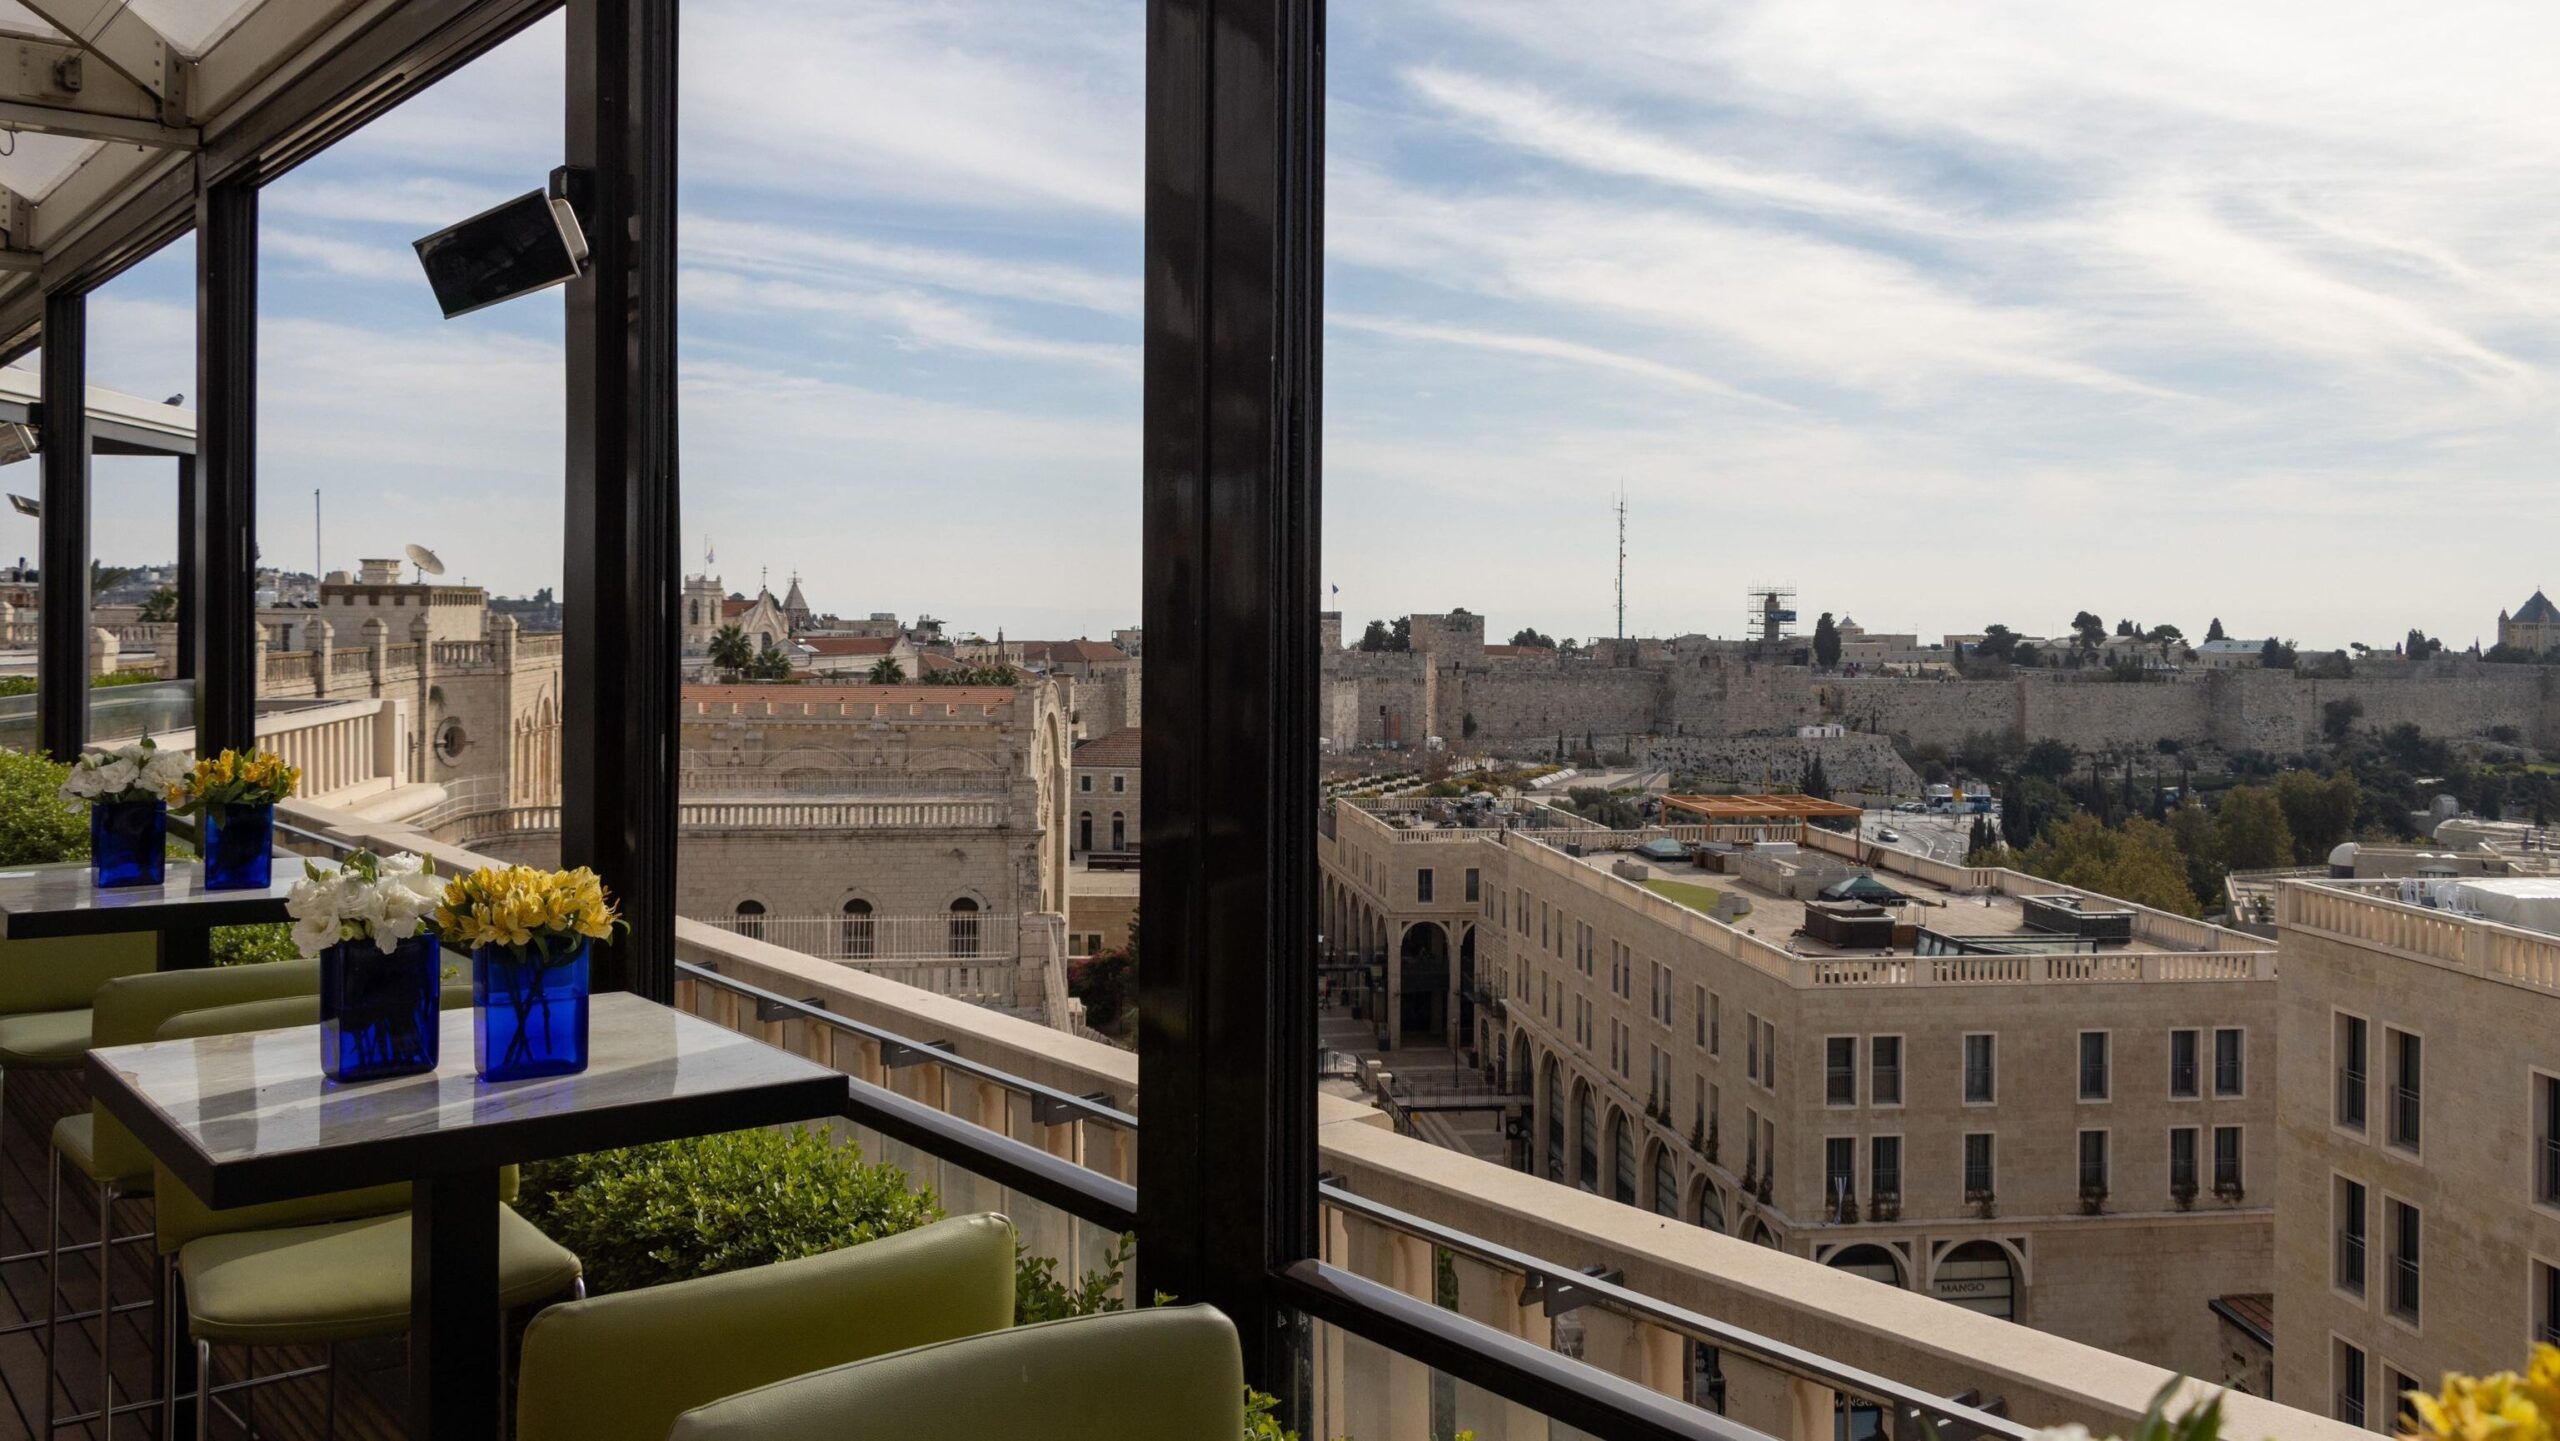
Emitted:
<point x="2403" y="1229"/>
<point x="2349" y="1370"/>
<point x="857" y="931"/>
<point x="1118" y="783"/>
<point x="1982" y="1076"/>
<point x="1884" y="1177"/>
<point x="1424" y="884"/>
<point x="2404" y="1055"/>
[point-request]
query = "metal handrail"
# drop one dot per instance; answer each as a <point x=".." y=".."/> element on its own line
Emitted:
<point x="1723" y="1335"/>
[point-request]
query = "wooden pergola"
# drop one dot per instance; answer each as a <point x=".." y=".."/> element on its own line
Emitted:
<point x="1732" y="810"/>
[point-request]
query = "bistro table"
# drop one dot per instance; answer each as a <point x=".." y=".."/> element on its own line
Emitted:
<point x="249" y="1118"/>
<point x="50" y="902"/>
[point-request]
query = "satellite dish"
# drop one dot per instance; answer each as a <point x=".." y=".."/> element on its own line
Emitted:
<point x="425" y="560"/>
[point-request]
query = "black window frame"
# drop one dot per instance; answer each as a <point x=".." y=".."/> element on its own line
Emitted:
<point x="2096" y="1066"/>
<point x="2351" y="1042"/>
<point x="2186" y="1072"/>
<point x="1878" y="1068"/>
<point x="2231" y="1073"/>
<point x="1839" y="1076"/>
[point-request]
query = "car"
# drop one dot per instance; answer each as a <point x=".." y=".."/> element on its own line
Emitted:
<point x="1887" y="835"/>
<point x="1910" y="808"/>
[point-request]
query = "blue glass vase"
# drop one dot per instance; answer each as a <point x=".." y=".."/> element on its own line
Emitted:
<point x="239" y="847"/>
<point x="128" y="843"/>
<point x="530" y="1009"/>
<point x="380" y="1011"/>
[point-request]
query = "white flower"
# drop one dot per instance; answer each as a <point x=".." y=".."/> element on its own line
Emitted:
<point x="166" y="769"/>
<point x="118" y="774"/>
<point x="314" y="934"/>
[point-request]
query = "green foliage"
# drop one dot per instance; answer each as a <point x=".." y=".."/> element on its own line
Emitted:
<point x="1106" y="983"/>
<point x="998" y="674"/>
<point x="2191" y="826"/>
<point x="26" y="684"/>
<point x="2048" y="760"/>
<point x="647" y="1215"/>
<point x="1038" y="1294"/>
<point x="1599" y="803"/>
<point x="2320" y="813"/>
<point x="35" y="825"/>
<point x="1998" y="643"/>
<point x="1528" y="636"/>
<point x="2276" y="655"/>
<point x="886" y="671"/>
<point x="2250" y="829"/>
<point x="253" y="945"/>
<point x="1374" y="639"/>
<point x="1817" y="781"/>
<point x="2199" y="1423"/>
<point x="162" y="606"/>
<point x="2214" y="631"/>
<point x="2333" y="666"/>
<point x="2139" y="862"/>
<point x="730" y="649"/>
<point x="1826" y="642"/>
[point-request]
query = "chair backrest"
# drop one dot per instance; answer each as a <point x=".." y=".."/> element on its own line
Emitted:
<point x="63" y="975"/>
<point x="1170" y="1373"/>
<point x="630" y="1363"/>
<point x="131" y="1009"/>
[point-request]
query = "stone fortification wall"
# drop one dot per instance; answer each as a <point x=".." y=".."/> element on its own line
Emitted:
<point x="1702" y="691"/>
<point x="1866" y="763"/>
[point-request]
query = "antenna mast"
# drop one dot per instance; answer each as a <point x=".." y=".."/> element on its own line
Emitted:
<point x="1622" y="562"/>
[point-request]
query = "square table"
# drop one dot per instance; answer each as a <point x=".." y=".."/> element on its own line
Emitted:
<point x="250" y="1118"/>
<point x="50" y="902"/>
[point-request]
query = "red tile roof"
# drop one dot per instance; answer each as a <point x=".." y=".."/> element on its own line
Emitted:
<point x="1059" y="652"/>
<point x="732" y="608"/>
<point x="1119" y="749"/>
<point x="849" y="644"/>
<point x="831" y="688"/>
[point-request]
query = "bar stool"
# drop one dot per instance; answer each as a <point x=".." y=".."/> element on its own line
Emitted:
<point x="127" y="1010"/>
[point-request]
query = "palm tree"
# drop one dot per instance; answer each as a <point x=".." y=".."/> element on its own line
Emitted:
<point x="887" y="671"/>
<point x="769" y="664"/>
<point x="731" y="651"/>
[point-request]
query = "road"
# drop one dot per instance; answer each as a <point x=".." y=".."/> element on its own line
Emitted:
<point x="1944" y="838"/>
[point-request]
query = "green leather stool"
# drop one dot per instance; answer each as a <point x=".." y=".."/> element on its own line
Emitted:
<point x="45" y="989"/>
<point x="127" y="1010"/>
<point x="1172" y="1373"/>
<point x="628" y="1364"/>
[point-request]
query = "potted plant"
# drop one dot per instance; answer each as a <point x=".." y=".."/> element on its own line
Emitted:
<point x="2093" y="1200"/>
<point x="529" y="932"/>
<point x="2183" y="1195"/>
<point x="234" y="795"/>
<point x="381" y="970"/>
<point x="127" y="791"/>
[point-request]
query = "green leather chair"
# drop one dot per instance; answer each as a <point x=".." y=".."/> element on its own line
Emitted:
<point x="627" y="1365"/>
<point x="126" y="1010"/>
<point x="1171" y="1373"/>
<point x="45" y="989"/>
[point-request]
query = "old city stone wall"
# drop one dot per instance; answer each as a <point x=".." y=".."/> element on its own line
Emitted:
<point x="1677" y="690"/>
<point x="1851" y="762"/>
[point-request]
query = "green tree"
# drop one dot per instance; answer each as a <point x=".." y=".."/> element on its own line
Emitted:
<point x="1826" y="642"/>
<point x="2276" y="655"/>
<point x="2420" y="645"/>
<point x="162" y="606"/>
<point x="1374" y="639"/>
<point x="1817" y="783"/>
<point x="1529" y="637"/>
<point x="2088" y="635"/>
<point x="769" y="665"/>
<point x="887" y="671"/>
<point x="2250" y="829"/>
<point x="2191" y="827"/>
<point x="1400" y="635"/>
<point x="2338" y="718"/>
<point x="2320" y="813"/>
<point x="2026" y="656"/>
<point x="2139" y="863"/>
<point x="2050" y="759"/>
<point x="2214" y="631"/>
<point x="731" y="651"/>
<point x="1998" y="643"/>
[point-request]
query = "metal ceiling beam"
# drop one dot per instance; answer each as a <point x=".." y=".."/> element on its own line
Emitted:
<point x="51" y="87"/>
<point x="111" y="31"/>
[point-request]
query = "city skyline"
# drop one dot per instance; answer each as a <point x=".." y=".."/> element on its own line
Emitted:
<point x="2226" y="322"/>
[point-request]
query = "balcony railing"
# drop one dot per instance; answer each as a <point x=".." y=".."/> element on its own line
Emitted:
<point x="2351" y="1093"/>
<point x="2351" y="1262"/>
<point x="2404" y="1116"/>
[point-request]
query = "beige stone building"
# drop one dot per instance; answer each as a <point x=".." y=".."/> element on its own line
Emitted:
<point x="2535" y="626"/>
<point x="1971" y="1083"/>
<point x="1106" y="793"/>
<point x="2418" y="1182"/>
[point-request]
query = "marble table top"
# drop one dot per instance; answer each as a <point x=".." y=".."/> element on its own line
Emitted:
<point x="43" y="902"/>
<point x="249" y="1118"/>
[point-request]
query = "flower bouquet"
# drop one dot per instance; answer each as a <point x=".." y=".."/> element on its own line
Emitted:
<point x="380" y="966"/>
<point x="128" y="791"/>
<point x="529" y="933"/>
<point x="235" y="795"/>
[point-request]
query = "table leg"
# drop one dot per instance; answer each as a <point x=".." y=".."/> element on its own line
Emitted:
<point x="188" y="949"/>
<point x="454" y="1321"/>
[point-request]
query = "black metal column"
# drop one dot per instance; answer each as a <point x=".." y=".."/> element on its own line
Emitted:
<point x="623" y="645"/>
<point x="62" y="636"/>
<point x="186" y="617"/>
<point x="218" y="622"/>
<point x="1226" y="1050"/>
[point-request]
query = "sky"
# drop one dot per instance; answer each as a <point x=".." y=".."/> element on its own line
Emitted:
<point x="1942" y="315"/>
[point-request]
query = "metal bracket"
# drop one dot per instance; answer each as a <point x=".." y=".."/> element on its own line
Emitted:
<point x="896" y="1055"/>
<point x="1057" y="1111"/>
<point x="1562" y="1295"/>
<point x="768" y="1009"/>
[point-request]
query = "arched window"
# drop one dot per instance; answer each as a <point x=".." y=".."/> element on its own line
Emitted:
<point x="1119" y="831"/>
<point x="964" y="927"/>
<point x="1587" y="1173"/>
<point x="1555" y="1121"/>
<point x="1622" y="1160"/>
<point x="1666" y="1183"/>
<point x="858" y="935"/>
<point x="751" y="919"/>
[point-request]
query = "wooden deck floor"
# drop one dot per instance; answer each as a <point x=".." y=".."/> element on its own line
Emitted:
<point x="372" y="1378"/>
